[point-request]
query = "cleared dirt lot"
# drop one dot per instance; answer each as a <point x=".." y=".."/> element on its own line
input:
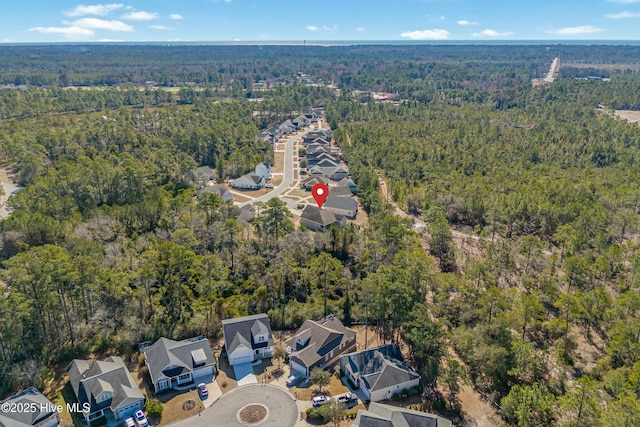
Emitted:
<point x="628" y="115"/>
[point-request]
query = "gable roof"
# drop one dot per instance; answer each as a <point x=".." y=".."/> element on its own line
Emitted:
<point x="318" y="339"/>
<point x="346" y="182"/>
<point x="110" y="375"/>
<point x="339" y="192"/>
<point x="219" y="189"/>
<point x="250" y="179"/>
<point x="241" y="330"/>
<point x="318" y="216"/>
<point x="379" y="415"/>
<point x="30" y="398"/>
<point x="170" y="358"/>
<point x="380" y="367"/>
<point x="337" y="202"/>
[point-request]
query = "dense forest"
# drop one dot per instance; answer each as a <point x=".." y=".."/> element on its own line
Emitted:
<point x="528" y="272"/>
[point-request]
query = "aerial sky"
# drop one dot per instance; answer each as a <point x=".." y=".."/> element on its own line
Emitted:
<point x="288" y="20"/>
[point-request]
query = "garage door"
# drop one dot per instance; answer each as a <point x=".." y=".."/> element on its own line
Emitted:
<point x="298" y="368"/>
<point x="242" y="359"/>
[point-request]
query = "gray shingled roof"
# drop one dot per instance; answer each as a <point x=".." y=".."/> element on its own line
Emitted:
<point x="171" y="358"/>
<point x="338" y="202"/>
<point x="397" y="417"/>
<point x="319" y="339"/>
<point x="248" y="180"/>
<point x="338" y="192"/>
<point x="319" y="216"/>
<point x="240" y="331"/>
<point x="110" y="375"/>
<point x="32" y="398"/>
<point x="380" y="367"/>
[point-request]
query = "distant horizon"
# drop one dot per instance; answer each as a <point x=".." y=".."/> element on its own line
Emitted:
<point x="264" y="21"/>
<point x="336" y="43"/>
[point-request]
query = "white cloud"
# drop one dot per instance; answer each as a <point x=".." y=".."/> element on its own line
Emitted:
<point x="622" y="15"/>
<point x="492" y="33"/>
<point x="140" y="16"/>
<point x="435" y="34"/>
<point x="110" y="40"/>
<point x="95" y="9"/>
<point x="71" y="32"/>
<point x="312" y="28"/>
<point x="571" y="31"/>
<point x="160" y="27"/>
<point x="101" y="24"/>
<point x="464" y="22"/>
<point x="327" y="28"/>
<point x="176" y="16"/>
<point x="361" y="29"/>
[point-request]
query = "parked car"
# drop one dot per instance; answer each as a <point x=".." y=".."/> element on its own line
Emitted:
<point x="320" y="400"/>
<point x="347" y="398"/>
<point x="203" y="391"/>
<point x="293" y="380"/>
<point x="268" y="185"/>
<point x="129" y="422"/>
<point x="141" y="419"/>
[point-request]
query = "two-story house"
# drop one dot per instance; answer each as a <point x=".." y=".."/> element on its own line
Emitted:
<point x="247" y="339"/>
<point x="319" y="344"/>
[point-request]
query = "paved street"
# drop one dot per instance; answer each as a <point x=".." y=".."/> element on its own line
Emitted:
<point x="281" y="408"/>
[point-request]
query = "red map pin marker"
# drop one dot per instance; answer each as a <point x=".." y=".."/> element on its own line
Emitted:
<point x="320" y="192"/>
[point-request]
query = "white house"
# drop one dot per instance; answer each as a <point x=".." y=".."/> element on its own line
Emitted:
<point x="107" y="387"/>
<point x="250" y="181"/>
<point x="173" y="364"/>
<point x="379" y="372"/>
<point x="319" y="344"/>
<point x="263" y="170"/>
<point x="339" y="205"/>
<point x="247" y="339"/>
<point x="40" y="411"/>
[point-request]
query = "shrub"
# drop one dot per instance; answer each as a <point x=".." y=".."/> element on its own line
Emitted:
<point x="154" y="408"/>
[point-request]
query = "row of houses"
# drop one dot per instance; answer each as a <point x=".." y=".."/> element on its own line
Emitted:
<point x="105" y="389"/>
<point x="274" y="133"/>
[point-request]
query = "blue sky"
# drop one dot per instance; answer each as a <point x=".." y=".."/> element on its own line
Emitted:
<point x="271" y="20"/>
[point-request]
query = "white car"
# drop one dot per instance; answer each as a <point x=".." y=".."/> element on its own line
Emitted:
<point x="320" y="400"/>
<point x="129" y="422"/>
<point x="141" y="419"/>
<point x="269" y="185"/>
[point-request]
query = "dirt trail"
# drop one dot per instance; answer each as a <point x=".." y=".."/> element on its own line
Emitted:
<point x="478" y="412"/>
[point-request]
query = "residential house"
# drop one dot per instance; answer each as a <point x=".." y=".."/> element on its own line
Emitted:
<point x="379" y="415"/>
<point x="263" y="170"/>
<point x="308" y="183"/>
<point x="344" y="206"/>
<point x="335" y="191"/>
<point x="247" y="339"/>
<point x="201" y="175"/>
<point x="250" y="181"/>
<point x="312" y="117"/>
<point x="315" y="142"/>
<point x="265" y="136"/>
<point x="319" y="344"/>
<point x="287" y="127"/>
<point x="348" y="182"/>
<point x="174" y="364"/>
<point x="379" y="372"/>
<point x="107" y="387"/>
<point x="320" y="219"/>
<point x="246" y="214"/>
<point x="322" y="160"/>
<point x="220" y="189"/>
<point x="39" y="412"/>
<point x="301" y="121"/>
<point x="335" y="173"/>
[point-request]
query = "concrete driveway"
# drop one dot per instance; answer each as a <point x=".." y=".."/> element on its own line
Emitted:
<point x="244" y="374"/>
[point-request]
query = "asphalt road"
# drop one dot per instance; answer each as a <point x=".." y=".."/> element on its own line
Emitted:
<point x="282" y="408"/>
<point x="287" y="178"/>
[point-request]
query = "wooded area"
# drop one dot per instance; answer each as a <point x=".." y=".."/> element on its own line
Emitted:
<point x="107" y="246"/>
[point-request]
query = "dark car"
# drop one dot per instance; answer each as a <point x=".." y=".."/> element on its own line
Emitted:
<point x="203" y="391"/>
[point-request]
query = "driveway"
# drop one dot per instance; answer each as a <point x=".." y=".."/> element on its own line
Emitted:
<point x="244" y="374"/>
<point x="270" y="405"/>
